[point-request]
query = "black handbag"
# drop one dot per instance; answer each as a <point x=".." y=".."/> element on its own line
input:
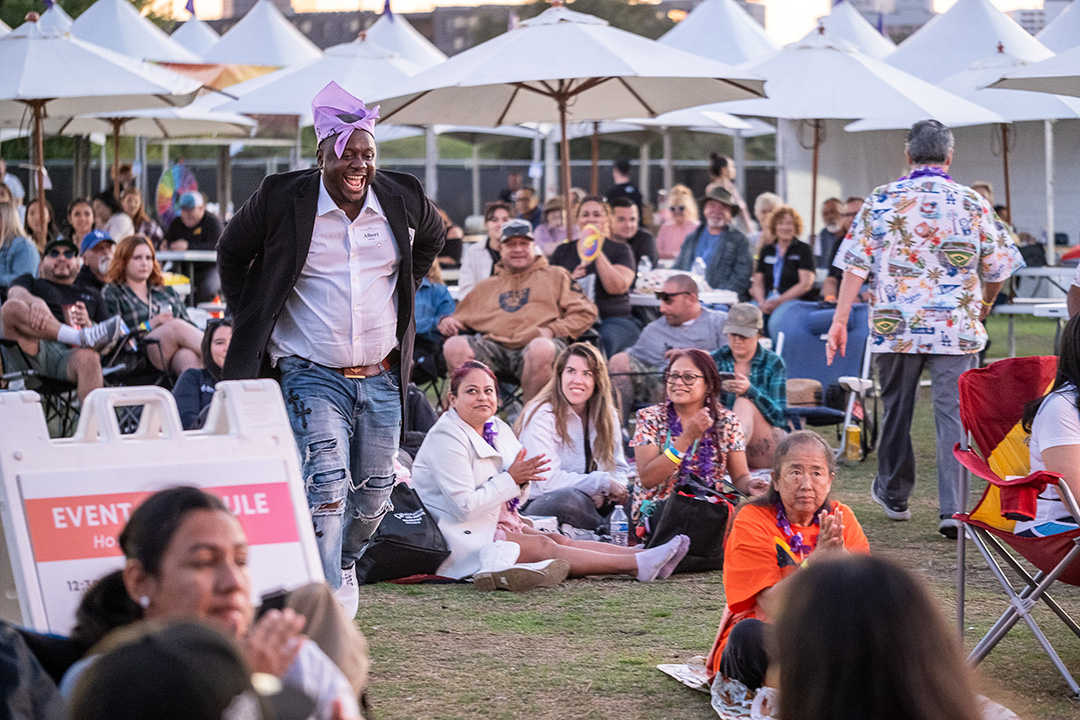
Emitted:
<point x="407" y="542"/>
<point x="688" y="511"/>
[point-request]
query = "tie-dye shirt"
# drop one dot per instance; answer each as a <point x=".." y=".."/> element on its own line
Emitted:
<point x="930" y="244"/>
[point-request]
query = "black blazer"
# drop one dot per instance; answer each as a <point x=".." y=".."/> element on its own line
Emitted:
<point x="265" y="245"/>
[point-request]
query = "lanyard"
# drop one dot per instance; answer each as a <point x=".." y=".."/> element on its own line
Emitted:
<point x="777" y="270"/>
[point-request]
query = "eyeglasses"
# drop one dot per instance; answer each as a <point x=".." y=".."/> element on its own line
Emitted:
<point x="678" y="208"/>
<point x="850" y="215"/>
<point x="55" y="253"/>
<point x="686" y="379"/>
<point x="666" y="297"/>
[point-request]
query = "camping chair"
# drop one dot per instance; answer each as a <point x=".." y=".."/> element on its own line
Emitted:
<point x="991" y="405"/>
<point x="798" y="330"/>
<point x="58" y="398"/>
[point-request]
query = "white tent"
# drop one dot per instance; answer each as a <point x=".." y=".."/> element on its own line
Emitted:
<point x="55" y="19"/>
<point x="195" y="35"/>
<point x="847" y="23"/>
<point x="970" y="31"/>
<point x="1063" y="32"/>
<point x="394" y="33"/>
<point x="117" y="25"/>
<point x="4" y="29"/>
<point x="263" y="37"/>
<point x="722" y="31"/>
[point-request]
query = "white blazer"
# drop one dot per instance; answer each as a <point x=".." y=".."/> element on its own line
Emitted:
<point x="463" y="483"/>
<point x="476" y="265"/>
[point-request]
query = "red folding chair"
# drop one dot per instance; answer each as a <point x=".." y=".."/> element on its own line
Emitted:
<point x="991" y="405"/>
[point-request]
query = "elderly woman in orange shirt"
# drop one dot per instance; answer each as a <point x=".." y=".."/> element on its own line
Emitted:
<point x="789" y="527"/>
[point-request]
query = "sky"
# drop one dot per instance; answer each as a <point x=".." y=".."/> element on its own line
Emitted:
<point x="786" y="20"/>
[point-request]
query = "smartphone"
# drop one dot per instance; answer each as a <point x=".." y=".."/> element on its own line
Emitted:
<point x="726" y="376"/>
<point x="274" y="600"/>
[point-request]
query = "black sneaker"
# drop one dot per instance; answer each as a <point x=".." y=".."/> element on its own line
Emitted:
<point x="949" y="527"/>
<point x="104" y="336"/>
<point x="896" y="511"/>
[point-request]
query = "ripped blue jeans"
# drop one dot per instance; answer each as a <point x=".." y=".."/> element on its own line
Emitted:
<point x="346" y="432"/>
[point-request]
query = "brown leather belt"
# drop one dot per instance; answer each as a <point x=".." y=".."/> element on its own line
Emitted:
<point x="359" y="372"/>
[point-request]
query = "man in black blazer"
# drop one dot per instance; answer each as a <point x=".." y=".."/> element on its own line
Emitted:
<point x="319" y="274"/>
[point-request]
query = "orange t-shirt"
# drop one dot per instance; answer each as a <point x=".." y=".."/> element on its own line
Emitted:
<point x="757" y="556"/>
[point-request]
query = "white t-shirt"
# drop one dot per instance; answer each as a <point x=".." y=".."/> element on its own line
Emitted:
<point x="1056" y="424"/>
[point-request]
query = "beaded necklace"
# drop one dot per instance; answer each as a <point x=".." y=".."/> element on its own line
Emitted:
<point x="794" y="539"/>
<point x="700" y="462"/>
<point x="489" y="437"/>
<point x="926" y="171"/>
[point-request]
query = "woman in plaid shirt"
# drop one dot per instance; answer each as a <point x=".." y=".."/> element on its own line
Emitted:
<point x="758" y="393"/>
<point x="135" y="290"/>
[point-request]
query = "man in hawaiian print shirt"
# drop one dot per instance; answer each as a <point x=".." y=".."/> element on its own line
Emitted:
<point x="939" y="257"/>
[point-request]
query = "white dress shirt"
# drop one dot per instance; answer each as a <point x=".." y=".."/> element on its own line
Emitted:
<point x="342" y="312"/>
<point x="568" y="461"/>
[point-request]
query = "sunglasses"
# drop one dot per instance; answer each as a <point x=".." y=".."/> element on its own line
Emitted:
<point x="57" y="253"/>
<point x="666" y="297"/>
<point x="678" y="208"/>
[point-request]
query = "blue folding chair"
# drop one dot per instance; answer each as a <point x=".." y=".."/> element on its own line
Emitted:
<point x="798" y="330"/>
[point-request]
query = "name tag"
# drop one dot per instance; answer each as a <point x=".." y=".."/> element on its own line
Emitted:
<point x="770" y="260"/>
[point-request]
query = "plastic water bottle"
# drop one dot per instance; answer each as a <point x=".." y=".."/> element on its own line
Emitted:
<point x="644" y="266"/>
<point x="697" y="271"/>
<point x="620" y="527"/>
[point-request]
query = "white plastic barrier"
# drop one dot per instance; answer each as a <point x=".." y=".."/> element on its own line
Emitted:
<point x="65" y="501"/>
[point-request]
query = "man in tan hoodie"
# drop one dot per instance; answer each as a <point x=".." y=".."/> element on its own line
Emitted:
<point x="519" y="318"/>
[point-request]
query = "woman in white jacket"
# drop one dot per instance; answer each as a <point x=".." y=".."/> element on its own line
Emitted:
<point x="587" y="476"/>
<point x="472" y="473"/>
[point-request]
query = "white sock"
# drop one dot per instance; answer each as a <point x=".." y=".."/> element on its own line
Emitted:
<point x="68" y="335"/>
<point x="650" y="561"/>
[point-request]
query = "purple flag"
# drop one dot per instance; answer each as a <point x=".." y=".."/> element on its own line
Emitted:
<point x="48" y="4"/>
<point x="386" y="9"/>
<point x="881" y="23"/>
<point x="190" y="7"/>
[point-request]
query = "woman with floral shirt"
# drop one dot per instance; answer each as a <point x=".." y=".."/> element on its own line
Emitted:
<point x="688" y="434"/>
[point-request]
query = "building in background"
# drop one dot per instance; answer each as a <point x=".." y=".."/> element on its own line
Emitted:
<point x="899" y="18"/>
<point x="1034" y="20"/>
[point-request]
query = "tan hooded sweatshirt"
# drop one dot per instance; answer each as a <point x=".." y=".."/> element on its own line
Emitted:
<point x="510" y="308"/>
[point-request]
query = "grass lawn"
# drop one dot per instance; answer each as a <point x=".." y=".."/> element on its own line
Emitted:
<point x="589" y="648"/>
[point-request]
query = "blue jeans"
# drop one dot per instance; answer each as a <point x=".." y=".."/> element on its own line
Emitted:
<point x="346" y="432"/>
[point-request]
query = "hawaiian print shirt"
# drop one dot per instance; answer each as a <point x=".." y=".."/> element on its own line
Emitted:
<point x="930" y="243"/>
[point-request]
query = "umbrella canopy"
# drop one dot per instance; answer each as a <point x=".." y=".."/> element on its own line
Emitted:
<point x="263" y="37"/>
<point x="844" y="21"/>
<point x="50" y="71"/>
<point x="821" y="78"/>
<point x="970" y="31"/>
<point x="394" y="33"/>
<point x="1060" y="75"/>
<point x="56" y="19"/>
<point x="564" y="65"/>
<point x="165" y="123"/>
<point x="4" y="29"/>
<point x="1063" y="32"/>
<point x="117" y="25"/>
<point x="195" y="35"/>
<point x="721" y="30"/>
<point x="360" y="67"/>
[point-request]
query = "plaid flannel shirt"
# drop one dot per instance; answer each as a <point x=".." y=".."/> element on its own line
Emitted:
<point x="768" y="383"/>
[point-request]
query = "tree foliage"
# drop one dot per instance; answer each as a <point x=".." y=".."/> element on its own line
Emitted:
<point x="13" y="12"/>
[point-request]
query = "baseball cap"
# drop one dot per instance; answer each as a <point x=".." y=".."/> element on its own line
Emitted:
<point x="721" y="195"/>
<point x="744" y="319"/>
<point x="92" y="238"/>
<point x="190" y="200"/>
<point x="516" y="228"/>
<point x="61" y="242"/>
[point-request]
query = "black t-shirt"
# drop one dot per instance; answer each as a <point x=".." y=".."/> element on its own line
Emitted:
<point x="627" y="190"/>
<point x="643" y="244"/>
<point x="56" y="296"/>
<point x="799" y="256"/>
<point x="203" y="236"/>
<point x="88" y="279"/>
<point x="617" y="253"/>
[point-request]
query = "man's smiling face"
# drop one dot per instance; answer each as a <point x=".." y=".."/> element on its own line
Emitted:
<point x="348" y="177"/>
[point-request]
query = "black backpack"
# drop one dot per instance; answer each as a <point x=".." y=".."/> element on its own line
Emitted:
<point x="408" y="542"/>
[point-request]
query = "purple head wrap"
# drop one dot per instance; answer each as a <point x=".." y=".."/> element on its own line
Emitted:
<point x="336" y="112"/>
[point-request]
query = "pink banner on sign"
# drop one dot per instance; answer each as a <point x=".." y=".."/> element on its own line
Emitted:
<point x="87" y="526"/>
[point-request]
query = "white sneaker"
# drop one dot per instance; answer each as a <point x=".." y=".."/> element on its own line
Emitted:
<point x="348" y="595"/>
<point x="523" y="577"/>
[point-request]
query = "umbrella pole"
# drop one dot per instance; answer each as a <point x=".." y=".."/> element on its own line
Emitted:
<point x="1005" y="163"/>
<point x="813" y="182"/>
<point x="565" y="149"/>
<point x="116" y="123"/>
<point x="594" y="177"/>
<point x="39" y="162"/>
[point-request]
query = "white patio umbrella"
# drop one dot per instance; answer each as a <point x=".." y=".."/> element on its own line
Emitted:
<point x="825" y="78"/>
<point x="394" y="33"/>
<point x="1063" y="32"/>
<point x="263" y="37"/>
<point x="844" y="21"/>
<point x="360" y="67"/>
<point x="560" y="66"/>
<point x="1014" y="105"/>
<point x="1059" y="75"/>
<point x="52" y="73"/>
<point x="56" y="19"/>
<point x="195" y="35"/>
<point x="4" y="29"/>
<point x="117" y="25"/>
